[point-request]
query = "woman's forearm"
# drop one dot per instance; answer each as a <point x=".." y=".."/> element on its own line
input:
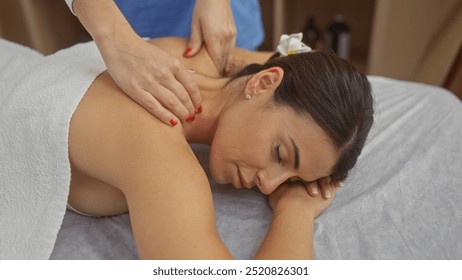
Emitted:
<point x="290" y="235"/>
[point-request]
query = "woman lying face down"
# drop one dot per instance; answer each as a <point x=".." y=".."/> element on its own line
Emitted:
<point x="297" y="118"/>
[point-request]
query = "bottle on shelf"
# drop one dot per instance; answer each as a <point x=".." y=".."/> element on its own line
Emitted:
<point x="338" y="37"/>
<point x="311" y="34"/>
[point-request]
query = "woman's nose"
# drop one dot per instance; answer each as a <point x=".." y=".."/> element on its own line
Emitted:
<point x="268" y="183"/>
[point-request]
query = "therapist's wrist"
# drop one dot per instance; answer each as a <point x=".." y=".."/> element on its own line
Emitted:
<point x="103" y="20"/>
<point x="114" y="32"/>
<point x="111" y="43"/>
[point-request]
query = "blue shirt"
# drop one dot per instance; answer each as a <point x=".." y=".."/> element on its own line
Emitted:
<point x="160" y="18"/>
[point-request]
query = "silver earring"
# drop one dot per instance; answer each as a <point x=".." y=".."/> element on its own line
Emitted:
<point x="248" y="96"/>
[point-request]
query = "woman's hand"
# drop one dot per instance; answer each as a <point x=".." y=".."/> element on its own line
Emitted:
<point x="322" y="186"/>
<point x="299" y="194"/>
<point x="213" y="23"/>
<point x="153" y="78"/>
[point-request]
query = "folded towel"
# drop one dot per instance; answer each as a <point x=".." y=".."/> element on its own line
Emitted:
<point x="38" y="96"/>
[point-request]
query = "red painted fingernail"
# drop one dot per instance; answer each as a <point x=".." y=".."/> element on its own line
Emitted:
<point x="191" y="118"/>
<point x="199" y="110"/>
<point x="173" y="122"/>
<point x="186" y="53"/>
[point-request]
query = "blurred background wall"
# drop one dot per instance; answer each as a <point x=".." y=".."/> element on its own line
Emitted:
<point x="418" y="40"/>
<point x="45" y="25"/>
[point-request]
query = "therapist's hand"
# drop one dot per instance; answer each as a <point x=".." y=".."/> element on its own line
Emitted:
<point x="213" y="23"/>
<point x="152" y="77"/>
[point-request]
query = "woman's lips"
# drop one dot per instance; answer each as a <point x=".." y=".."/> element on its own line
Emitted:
<point x="241" y="179"/>
<point x="237" y="182"/>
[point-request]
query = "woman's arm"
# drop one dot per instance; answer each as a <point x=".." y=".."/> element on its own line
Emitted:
<point x="290" y="235"/>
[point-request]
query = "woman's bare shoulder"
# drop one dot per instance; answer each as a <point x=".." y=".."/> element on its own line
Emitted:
<point x="107" y="120"/>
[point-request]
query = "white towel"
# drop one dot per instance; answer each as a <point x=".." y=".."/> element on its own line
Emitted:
<point x="38" y="96"/>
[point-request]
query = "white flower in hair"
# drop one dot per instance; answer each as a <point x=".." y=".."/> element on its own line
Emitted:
<point x="292" y="44"/>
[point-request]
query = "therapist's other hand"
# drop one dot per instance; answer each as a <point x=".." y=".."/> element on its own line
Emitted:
<point x="153" y="78"/>
<point x="213" y="23"/>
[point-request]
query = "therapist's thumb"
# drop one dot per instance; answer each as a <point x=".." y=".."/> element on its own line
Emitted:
<point x="195" y="42"/>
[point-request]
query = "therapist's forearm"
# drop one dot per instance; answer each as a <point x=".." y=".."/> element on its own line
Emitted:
<point x="290" y="235"/>
<point x="103" y="20"/>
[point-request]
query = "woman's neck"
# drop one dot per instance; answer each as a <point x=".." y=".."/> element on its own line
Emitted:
<point x="215" y="98"/>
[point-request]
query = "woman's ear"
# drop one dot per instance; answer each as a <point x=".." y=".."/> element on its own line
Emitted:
<point x="265" y="81"/>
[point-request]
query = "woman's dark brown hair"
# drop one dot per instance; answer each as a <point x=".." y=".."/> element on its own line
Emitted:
<point x="333" y="92"/>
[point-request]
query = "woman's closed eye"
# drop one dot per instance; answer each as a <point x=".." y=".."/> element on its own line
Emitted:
<point x="277" y="152"/>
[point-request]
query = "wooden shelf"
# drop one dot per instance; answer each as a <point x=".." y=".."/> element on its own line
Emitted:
<point x="281" y="17"/>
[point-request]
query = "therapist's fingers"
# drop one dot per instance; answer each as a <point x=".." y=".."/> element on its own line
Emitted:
<point x="213" y="24"/>
<point x="229" y="68"/>
<point x="220" y="51"/>
<point x="167" y="90"/>
<point x="195" y="41"/>
<point x="151" y="104"/>
<point x="217" y="54"/>
<point x="227" y="48"/>
<point x="187" y="81"/>
<point x="179" y="102"/>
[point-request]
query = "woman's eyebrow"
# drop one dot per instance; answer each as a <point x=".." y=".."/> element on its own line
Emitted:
<point x="296" y="153"/>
